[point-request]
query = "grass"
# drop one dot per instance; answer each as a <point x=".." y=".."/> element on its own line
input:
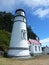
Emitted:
<point x="38" y="60"/>
<point x="4" y="39"/>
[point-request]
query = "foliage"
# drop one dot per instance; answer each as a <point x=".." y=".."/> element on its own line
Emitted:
<point x="6" y="21"/>
<point x="4" y="39"/>
<point x="30" y="33"/>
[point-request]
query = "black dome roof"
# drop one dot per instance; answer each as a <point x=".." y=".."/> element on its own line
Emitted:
<point x="20" y="10"/>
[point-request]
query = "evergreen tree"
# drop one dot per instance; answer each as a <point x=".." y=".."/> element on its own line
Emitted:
<point x="30" y="33"/>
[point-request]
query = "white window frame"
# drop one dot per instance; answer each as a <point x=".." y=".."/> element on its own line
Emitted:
<point x="39" y="48"/>
<point x="35" y="48"/>
<point x="23" y="34"/>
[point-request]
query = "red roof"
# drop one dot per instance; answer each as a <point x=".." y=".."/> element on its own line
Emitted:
<point x="33" y="41"/>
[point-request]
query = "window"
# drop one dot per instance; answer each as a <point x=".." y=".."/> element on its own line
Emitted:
<point x="23" y="34"/>
<point x="39" y="48"/>
<point x="35" y="48"/>
<point x="29" y="48"/>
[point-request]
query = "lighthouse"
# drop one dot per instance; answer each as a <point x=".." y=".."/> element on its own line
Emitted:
<point x="18" y="43"/>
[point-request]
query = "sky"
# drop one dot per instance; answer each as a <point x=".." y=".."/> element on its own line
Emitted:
<point x="37" y="14"/>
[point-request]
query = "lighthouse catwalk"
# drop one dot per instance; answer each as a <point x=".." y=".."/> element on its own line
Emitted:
<point x="18" y="44"/>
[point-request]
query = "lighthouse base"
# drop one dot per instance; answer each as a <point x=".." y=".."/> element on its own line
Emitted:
<point x="24" y="54"/>
<point x="20" y="57"/>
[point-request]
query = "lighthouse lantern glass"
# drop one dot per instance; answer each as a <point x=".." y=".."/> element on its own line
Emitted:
<point x="20" y="13"/>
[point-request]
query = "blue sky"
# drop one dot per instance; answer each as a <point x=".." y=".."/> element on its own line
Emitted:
<point x="37" y="13"/>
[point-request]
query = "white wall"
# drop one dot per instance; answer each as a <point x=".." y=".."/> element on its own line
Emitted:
<point x="46" y="50"/>
<point x="32" y="48"/>
<point x="16" y="38"/>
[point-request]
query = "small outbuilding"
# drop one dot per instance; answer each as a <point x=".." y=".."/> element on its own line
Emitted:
<point x="45" y="50"/>
<point x="34" y="47"/>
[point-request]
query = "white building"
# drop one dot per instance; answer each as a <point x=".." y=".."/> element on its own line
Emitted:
<point x="45" y="50"/>
<point x="35" y="47"/>
<point x="18" y="44"/>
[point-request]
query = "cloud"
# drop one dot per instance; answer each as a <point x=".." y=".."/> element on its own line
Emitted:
<point x="45" y="42"/>
<point x="9" y="5"/>
<point x="36" y="6"/>
<point x="41" y="12"/>
<point x="36" y="3"/>
<point x="6" y="5"/>
<point x="39" y="8"/>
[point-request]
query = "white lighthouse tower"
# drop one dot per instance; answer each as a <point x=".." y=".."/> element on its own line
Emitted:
<point x="18" y="44"/>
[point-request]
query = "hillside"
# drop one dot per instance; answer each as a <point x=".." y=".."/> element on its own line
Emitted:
<point x="4" y="39"/>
